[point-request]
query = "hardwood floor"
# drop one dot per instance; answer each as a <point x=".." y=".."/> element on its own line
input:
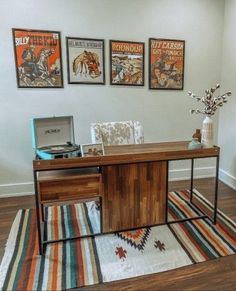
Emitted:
<point x="217" y="274"/>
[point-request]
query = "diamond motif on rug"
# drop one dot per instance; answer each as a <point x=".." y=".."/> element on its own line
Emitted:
<point x="159" y="245"/>
<point x="121" y="253"/>
<point x="135" y="238"/>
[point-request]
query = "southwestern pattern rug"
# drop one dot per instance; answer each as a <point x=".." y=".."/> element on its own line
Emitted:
<point x="110" y="257"/>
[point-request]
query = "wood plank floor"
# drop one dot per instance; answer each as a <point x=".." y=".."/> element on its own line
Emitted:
<point x="217" y="274"/>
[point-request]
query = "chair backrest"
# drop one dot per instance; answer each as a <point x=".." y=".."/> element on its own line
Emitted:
<point x="117" y="132"/>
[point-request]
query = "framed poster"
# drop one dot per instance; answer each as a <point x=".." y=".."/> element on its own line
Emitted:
<point x="126" y="63"/>
<point x="166" y="64"/>
<point x="85" y="60"/>
<point x="38" y="58"/>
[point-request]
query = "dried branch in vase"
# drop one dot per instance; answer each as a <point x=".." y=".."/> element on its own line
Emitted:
<point x="211" y="103"/>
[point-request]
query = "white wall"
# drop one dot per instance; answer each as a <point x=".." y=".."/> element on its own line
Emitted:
<point x="227" y="117"/>
<point x="164" y="114"/>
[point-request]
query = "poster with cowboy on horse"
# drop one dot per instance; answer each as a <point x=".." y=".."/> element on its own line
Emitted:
<point x="85" y="60"/>
<point x="38" y="58"/>
<point x="166" y="64"/>
<point x="127" y="63"/>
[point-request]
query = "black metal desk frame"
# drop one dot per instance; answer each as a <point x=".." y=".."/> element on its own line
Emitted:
<point x="215" y="203"/>
<point x="39" y="207"/>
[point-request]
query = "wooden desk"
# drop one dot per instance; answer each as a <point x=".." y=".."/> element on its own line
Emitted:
<point x="134" y="182"/>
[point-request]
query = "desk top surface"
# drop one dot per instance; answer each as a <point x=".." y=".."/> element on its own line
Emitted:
<point x="124" y="154"/>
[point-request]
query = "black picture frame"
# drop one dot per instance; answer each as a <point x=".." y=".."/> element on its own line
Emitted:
<point x="38" y="58"/>
<point x="127" y="63"/>
<point x="85" y="60"/>
<point x="166" y="64"/>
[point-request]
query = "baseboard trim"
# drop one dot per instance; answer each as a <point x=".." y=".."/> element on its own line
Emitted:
<point x="185" y="174"/>
<point x="17" y="189"/>
<point x="228" y="179"/>
<point x="27" y="188"/>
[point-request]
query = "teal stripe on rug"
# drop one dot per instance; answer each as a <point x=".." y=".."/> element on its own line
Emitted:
<point x="64" y="253"/>
<point x="73" y="264"/>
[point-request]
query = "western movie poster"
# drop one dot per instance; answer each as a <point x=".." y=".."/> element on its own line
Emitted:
<point x="127" y="63"/>
<point x="85" y="61"/>
<point x="166" y="64"/>
<point x="38" y="58"/>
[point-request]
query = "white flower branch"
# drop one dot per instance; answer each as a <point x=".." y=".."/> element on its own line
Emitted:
<point x="211" y="103"/>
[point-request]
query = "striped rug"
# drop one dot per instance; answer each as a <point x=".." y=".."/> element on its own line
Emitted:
<point x="110" y="257"/>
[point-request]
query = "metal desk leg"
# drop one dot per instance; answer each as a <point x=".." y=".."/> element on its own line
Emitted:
<point x="216" y="189"/>
<point x="167" y="190"/>
<point x="38" y="214"/>
<point x="191" y="185"/>
<point x="42" y="212"/>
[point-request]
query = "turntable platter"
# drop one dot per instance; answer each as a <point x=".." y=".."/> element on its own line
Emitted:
<point x="59" y="149"/>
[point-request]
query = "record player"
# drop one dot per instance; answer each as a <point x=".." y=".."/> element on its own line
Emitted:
<point x="53" y="137"/>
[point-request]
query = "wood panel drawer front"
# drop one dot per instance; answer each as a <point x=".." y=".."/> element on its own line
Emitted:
<point x="134" y="195"/>
<point x="70" y="189"/>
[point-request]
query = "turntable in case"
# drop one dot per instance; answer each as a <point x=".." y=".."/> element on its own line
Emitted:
<point x="59" y="151"/>
<point x="53" y="138"/>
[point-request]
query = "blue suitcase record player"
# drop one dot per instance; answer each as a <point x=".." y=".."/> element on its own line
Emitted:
<point x="53" y="137"/>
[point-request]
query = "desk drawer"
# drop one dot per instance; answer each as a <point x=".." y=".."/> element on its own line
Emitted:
<point x="80" y="187"/>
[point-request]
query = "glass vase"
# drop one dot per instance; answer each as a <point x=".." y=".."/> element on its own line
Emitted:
<point x="194" y="144"/>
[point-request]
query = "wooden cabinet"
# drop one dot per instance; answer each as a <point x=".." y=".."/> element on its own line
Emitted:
<point x="66" y="185"/>
<point x="134" y="195"/>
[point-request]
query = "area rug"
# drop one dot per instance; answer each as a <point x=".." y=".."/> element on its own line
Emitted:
<point x="111" y="257"/>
